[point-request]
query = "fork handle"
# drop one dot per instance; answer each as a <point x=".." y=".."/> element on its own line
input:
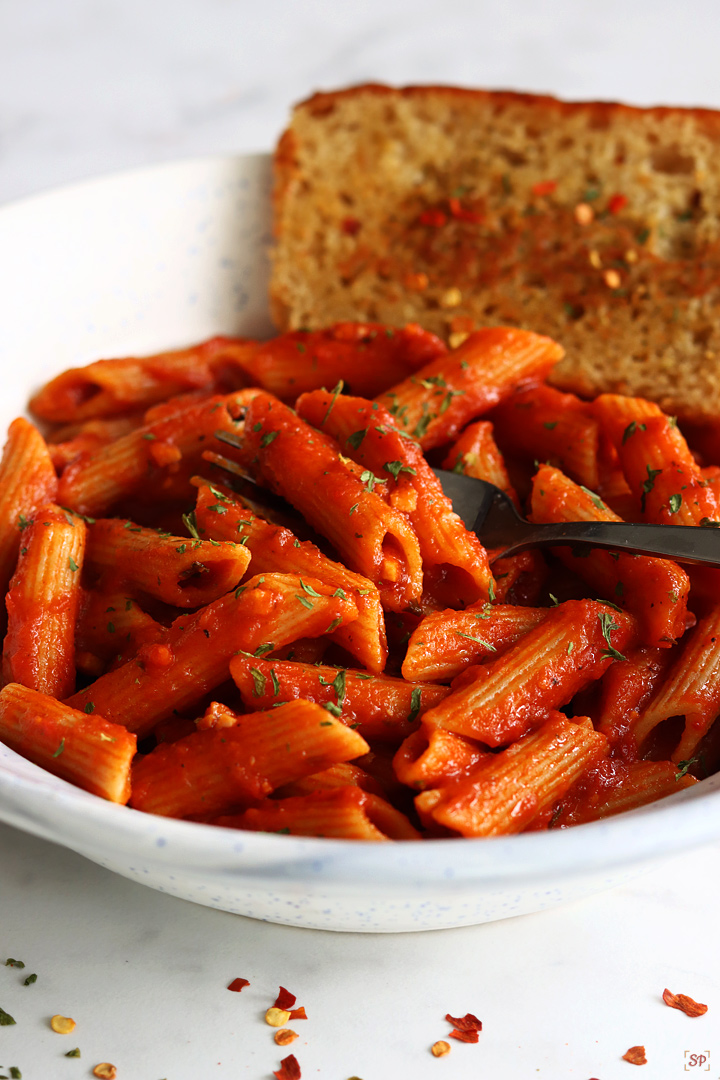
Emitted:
<point x="685" y="543"/>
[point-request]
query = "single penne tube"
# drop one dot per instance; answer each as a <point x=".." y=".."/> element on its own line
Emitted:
<point x="108" y="387"/>
<point x="336" y="498"/>
<point x="84" y="749"/>
<point x="620" y="416"/>
<point x="336" y="776"/>
<point x="194" y="656"/>
<point x="378" y="706"/>
<point x="655" y="591"/>
<point x="145" y="456"/>
<point x="275" y="549"/>
<point x="431" y="756"/>
<point x="664" y="476"/>
<point x="186" y="573"/>
<point x="447" y="642"/>
<point x="212" y="772"/>
<point x="368" y="356"/>
<point x="72" y="441"/>
<point x="477" y="454"/>
<point x="508" y="790"/>
<point x="541" y="423"/>
<point x="42" y="603"/>
<point x="455" y="564"/>
<point x="500" y="701"/>
<point x="346" y="813"/>
<point x="441" y="398"/>
<point x="691" y="689"/>
<point x="626" y="689"/>
<point x="111" y="627"/>
<point x="614" y="787"/>
<point x="27" y="479"/>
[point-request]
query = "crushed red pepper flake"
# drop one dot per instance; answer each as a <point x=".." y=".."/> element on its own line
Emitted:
<point x="544" y="187"/>
<point x="289" y="1069"/>
<point x="285" y="1000"/>
<point x="238" y="984"/>
<point x="298" y="1014"/>
<point x="635" y="1055"/>
<point x="616" y="203"/>
<point x="466" y="1028"/>
<point x="433" y="217"/>
<point x="684" y="1003"/>
<point x="351" y="226"/>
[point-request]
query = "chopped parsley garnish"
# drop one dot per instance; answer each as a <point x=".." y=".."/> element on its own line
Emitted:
<point x="334" y="625"/>
<point x="675" y="503"/>
<point x="190" y="523"/>
<point x="309" y="589"/>
<point x="336" y="391"/>
<point x="259" y="682"/>
<point x="648" y="485"/>
<point x="550" y="424"/>
<point x="356" y="438"/>
<point x="396" y="467"/>
<point x="683" y="767"/>
<point x="332" y="708"/>
<point x="595" y="499"/>
<point x="632" y="427"/>
<point x="60" y="749"/>
<point x="607" y="624"/>
<point x="262" y="649"/>
<point x="415" y="702"/>
<point x="72" y="564"/>
<point x="268" y="437"/>
<point x="89" y="707"/>
<point x="275" y="683"/>
<point x="709" y="523"/>
<point x="305" y="601"/>
<point x="6" y="1019"/>
<point x="479" y="641"/>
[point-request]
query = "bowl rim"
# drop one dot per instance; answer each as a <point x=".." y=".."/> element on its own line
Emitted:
<point x="38" y="802"/>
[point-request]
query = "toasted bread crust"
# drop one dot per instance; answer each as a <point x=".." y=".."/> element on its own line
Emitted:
<point x="595" y="223"/>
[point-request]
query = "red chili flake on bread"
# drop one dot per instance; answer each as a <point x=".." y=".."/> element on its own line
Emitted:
<point x="635" y="1055"/>
<point x="684" y="1004"/>
<point x="298" y="1014"/>
<point x="463" y="213"/>
<point x="238" y="984"/>
<point x="616" y="203"/>
<point x="466" y="1027"/>
<point x="285" y="1000"/>
<point x="351" y="226"/>
<point x="544" y="187"/>
<point x="433" y="217"/>
<point x="289" y="1069"/>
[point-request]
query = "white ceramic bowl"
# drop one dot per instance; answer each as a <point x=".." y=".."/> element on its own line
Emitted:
<point x="162" y="257"/>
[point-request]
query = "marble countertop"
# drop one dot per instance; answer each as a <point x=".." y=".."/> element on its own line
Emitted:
<point x="92" y="86"/>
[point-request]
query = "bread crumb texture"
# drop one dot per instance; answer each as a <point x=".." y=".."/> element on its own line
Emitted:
<point x="597" y="224"/>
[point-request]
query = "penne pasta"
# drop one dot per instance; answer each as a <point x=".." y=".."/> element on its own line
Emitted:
<point x="108" y="387"/>
<point x="614" y="787"/>
<point x="455" y="564"/>
<point x="436" y="403"/>
<point x="304" y="466"/>
<point x="186" y="573"/>
<point x="42" y="603"/>
<point x="500" y="701"/>
<point x="211" y="772"/>
<point x="194" y="656"/>
<point x="276" y="549"/>
<point x="378" y="706"/>
<point x="84" y="749"/>
<point x="655" y="591"/>
<point x="507" y="791"/>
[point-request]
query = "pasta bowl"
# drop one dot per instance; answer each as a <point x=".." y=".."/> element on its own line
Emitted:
<point x="158" y="258"/>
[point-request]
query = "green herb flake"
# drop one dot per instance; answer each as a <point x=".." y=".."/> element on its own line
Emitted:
<point x="73" y="1053"/>
<point x="257" y="426"/>
<point x="608" y="624"/>
<point x="675" y="503"/>
<point x="480" y="641"/>
<point x="397" y="467"/>
<point x="709" y="523"/>
<point x="491" y="595"/>
<point x="89" y="707"/>
<point x="423" y="423"/>
<point x="333" y="709"/>
<point x="353" y="508"/>
<point x="15" y="1073"/>
<point x="262" y="649"/>
<point x="259" y="682"/>
<point x="72" y="564"/>
<point x="23" y="522"/>
<point x="674" y="596"/>
<point x="60" y="749"/>
<point x="305" y="601"/>
<point x="269" y="437"/>
<point x="14" y="963"/>
<point x="619" y="589"/>
<point x="356" y="438"/>
<point x="550" y="424"/>
<point x="648" y="485"/>
<point x="30" y="980"/>
<point x="554" y="599"/>
<point x="6" y="1019"/>
<point x="336" y="392"/>
<point x="595" y="499"/>
<point x="415" y="703"/>
<point x="683" y="767"/>
<point x="309" y="589"/>
<point x="190" y="523"/>
<point x="334" y="625"/>
<point x="275" y="682"/>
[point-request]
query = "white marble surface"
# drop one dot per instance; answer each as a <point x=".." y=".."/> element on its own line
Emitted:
<point x="90" y="86"/>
